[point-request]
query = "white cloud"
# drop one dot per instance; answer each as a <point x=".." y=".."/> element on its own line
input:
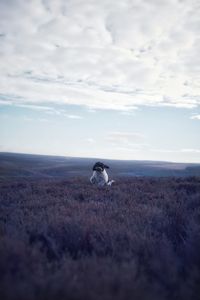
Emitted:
<point x="73" y="116"/>
<point x="190" y="150"/>
<point x="102" y="54"/>
<point x="195" y="117"/>
<point x="90" y="140"/>
<point x="187" y="150"/>
<point x="35" y="107"/>
<point x="126" y="139"/>
<point x="5" y="102"/>
<point x="48" y="110"/>
<point x="165" y="150"/>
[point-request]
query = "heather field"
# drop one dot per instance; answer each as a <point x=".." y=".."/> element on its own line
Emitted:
<point x="65" y="239"/>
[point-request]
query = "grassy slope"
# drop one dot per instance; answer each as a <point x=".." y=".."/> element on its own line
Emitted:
<point x="67" y="239"/>
<point x="41" y="166"/>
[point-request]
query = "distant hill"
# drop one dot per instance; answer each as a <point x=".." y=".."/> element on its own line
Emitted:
<point x="45" y="166"/>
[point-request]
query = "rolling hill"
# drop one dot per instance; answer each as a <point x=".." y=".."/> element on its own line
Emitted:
<point x="45" y="166"/>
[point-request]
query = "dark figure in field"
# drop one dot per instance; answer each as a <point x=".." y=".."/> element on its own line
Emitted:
<point x="100" y="176"/>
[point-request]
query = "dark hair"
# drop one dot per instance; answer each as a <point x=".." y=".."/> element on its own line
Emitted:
<point x="99" y="165"/>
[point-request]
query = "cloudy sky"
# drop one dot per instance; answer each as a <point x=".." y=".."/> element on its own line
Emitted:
<point x="110" y="78"/>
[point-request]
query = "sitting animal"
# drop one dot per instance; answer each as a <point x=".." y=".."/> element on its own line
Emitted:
<point x="100" y="176"/>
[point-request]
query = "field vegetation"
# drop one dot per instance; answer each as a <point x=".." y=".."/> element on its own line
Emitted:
<point x="66" y="239"/>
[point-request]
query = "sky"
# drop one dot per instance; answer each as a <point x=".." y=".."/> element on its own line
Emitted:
<point x="114" y="79"/>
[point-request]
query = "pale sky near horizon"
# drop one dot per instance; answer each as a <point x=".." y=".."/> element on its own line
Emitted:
<point x="109" y="79"/>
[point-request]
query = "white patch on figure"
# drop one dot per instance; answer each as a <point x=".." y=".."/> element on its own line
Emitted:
<point x="100" y="176"/>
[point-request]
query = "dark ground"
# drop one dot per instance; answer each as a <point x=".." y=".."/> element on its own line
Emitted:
<point x="65" y="239"/>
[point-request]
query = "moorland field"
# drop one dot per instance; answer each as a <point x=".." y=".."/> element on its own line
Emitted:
<point x="62" y="238"/>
